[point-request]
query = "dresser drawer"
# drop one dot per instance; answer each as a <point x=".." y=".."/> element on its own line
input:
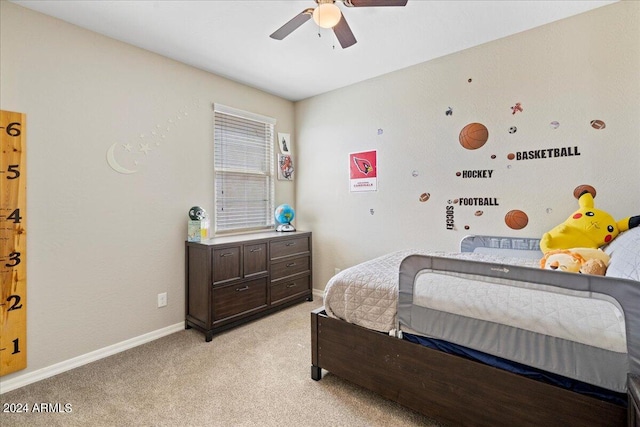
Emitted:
<point x="255" y="259"/>
<point x="232" y="300"/>
<point x="282" y="248"/>
<point x="289" y="267"/>
<point x="226" y="264"/>
<point x="288" y="288"/>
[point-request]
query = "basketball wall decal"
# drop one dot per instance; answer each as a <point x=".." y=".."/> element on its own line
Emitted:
<point x="516" y="219"/>
<point x="582" y="188"/>
<point x="473" y="136"/>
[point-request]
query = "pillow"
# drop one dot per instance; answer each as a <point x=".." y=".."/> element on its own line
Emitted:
<point x="625" y="255"/>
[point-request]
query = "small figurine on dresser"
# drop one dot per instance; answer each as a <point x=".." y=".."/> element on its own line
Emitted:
<point x="198" y="225"/>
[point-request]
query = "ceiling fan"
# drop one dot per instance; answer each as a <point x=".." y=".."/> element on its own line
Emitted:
<point x="328" y="15"/>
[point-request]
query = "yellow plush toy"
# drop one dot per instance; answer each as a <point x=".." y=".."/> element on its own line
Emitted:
<point x="587" y="227"/>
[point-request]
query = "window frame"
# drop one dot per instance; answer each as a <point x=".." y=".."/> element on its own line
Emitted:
<point x="253" y="171"/>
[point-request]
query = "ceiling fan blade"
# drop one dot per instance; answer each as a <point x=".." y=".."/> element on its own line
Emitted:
<point x="371" y="3"/>
<point x="344" y="34"/>
<point x="292" y="25"/>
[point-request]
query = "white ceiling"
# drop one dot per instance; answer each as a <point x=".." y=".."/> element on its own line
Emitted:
<point x="231" y="38"/>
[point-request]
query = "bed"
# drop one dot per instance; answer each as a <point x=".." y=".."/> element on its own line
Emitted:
<point x="577" y="352"/>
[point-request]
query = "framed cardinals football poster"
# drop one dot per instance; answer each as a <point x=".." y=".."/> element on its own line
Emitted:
<point x="363" y="171"/>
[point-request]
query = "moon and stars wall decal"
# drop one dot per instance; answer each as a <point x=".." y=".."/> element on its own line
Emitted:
<point x="111" y="160"/>
<point x="120" y="154"/>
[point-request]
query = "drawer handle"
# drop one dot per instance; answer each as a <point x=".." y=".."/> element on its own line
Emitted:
<point x="291" y="285"/>
<point x="226" y="254"/>
<point x="255" y="250"/>
<point x="245" y="288"/>
<point x="291" y="264"/>
<point x="290" y="243"/>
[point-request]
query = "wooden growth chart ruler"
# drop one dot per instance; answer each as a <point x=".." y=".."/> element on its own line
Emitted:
<point x="13" y="243"/>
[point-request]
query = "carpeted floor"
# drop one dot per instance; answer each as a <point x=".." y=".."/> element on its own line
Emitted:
<point x="254" y="375"/>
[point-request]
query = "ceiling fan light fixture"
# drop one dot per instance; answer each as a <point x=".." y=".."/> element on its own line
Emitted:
<point x="327" y="15"/>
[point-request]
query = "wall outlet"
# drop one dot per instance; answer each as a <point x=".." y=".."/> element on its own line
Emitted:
<point x="336" y="270"/>
<point x="162" y="299"/>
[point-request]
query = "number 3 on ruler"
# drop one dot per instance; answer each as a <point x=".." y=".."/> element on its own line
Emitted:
<point x="13" y="243"/>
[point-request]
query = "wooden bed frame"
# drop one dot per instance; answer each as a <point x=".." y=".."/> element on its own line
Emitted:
<point x="446" y="387"/>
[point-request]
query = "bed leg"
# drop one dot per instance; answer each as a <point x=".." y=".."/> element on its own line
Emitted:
<point x="316" y="373"/>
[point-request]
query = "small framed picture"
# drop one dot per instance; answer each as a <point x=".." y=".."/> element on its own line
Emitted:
<point x="284" y="141"/>
<point x="285" y="167"/>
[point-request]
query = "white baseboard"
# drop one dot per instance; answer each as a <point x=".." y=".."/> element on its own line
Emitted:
<point x="67" y="365"/>
<point x="318" y="293"/>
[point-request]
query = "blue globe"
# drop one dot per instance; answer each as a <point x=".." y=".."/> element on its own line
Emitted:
<point x="284" y="214"/>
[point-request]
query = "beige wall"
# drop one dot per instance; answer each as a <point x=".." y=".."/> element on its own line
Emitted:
<point x="573" y="71"/>
<point x="101" y="245"/>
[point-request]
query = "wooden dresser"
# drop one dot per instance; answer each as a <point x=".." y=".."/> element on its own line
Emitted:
<point x="234" y="279"/>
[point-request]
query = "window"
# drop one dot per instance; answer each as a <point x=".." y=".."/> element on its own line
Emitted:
<point x="244" y="170"/>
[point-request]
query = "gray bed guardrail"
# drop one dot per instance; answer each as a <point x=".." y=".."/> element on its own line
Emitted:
<point x="625" y="292"/>
<point x="519" y="247"/>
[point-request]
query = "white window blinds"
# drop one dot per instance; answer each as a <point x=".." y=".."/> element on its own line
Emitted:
<point x="244" y="170"/>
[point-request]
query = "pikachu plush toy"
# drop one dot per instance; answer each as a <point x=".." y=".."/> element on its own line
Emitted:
<point x="574" y="245"/>
<point x="587" y="227"/>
